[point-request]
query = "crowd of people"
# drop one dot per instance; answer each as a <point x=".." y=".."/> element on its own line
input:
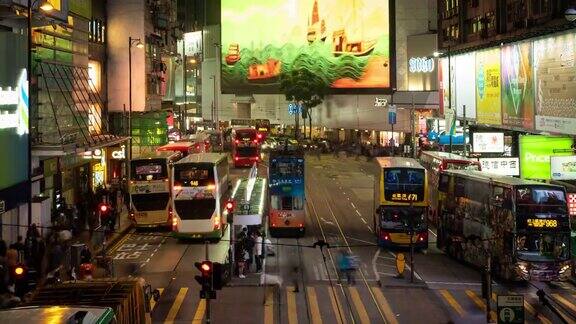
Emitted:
<point x="250" y="249"/>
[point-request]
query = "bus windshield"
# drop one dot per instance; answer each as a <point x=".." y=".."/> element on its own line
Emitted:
<point x="404" y="184"/>
<point x="195" y="208"/>
<point x="246" y="151"/>
<point x="402" y="217"/>
<point x="147" y="170"/>
<point x="540" y="199"/>
<point x="532" y="246"/>
<point x="287" y="169"/>
<point x="194" y="175"/>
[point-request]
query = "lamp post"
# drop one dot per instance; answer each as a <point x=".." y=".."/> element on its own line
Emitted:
<point x="44" y="6"/>
<point x="138" y="43"/>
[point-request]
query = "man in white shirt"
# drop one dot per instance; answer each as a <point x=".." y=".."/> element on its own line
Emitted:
<point x="258" y="251"/>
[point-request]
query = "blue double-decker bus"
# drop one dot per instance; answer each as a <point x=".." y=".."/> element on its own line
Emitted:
<point x="287" y="216"/>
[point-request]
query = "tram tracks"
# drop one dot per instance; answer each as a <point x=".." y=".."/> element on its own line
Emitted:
<point x="348" y="294"/>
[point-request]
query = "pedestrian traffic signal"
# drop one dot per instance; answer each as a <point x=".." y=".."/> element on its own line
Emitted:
<point x="18" y="272"/>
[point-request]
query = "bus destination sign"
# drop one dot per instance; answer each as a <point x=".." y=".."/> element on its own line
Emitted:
<point x="404" y="197"/>
<point x="542" y="223"/>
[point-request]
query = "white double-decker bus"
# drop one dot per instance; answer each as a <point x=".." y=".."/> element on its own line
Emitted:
<point x="200" y="182"/>
<point x="149" y="187"/>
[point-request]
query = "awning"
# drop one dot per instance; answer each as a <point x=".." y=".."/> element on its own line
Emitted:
<point x="68" y="119"/>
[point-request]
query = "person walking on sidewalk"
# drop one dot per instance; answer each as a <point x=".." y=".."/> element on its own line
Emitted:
<point x="258" y="251"/>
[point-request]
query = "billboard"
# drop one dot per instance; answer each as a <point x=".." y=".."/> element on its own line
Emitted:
<point x="13" y="110"/>
<point x="535" y="153"/>
<point x="346" y="42"/>
<point x="488" y="142"/>
<point x="554" y="74"/>
<point x="422" y="68"/>
<point x="465" y="90"/>
<point x="517" y="85"/>
<point x="563" y="167"/>
<point x="488" y="104"/>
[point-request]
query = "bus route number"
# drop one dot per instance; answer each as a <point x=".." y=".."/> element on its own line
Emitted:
<point x="404" y="197"/>
<point x="540" y="223"/>
<point x="193" y="183"/>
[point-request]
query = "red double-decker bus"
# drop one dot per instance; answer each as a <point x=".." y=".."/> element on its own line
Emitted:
<point x="245" y="146"/>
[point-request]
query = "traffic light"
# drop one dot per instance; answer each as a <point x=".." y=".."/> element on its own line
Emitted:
<point x="205" y="279"/>
<point x="218" y="276"/>
<point x="18" y="274"/>
<point x="230" y="210"/>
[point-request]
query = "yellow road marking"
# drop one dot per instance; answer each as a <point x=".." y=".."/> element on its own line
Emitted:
<point x="450" y="299"/>
<point x="364" y="319"/>
<point x="385" y="305"/>
<point x="176" y="306"/>
<point x="291" y="300"/>
<point x="337" y="307"/>
<point x="543" y="319"/>
<point x="269" y="306"/>
<point x="479" y="302"/>
<point x="564" y="301"/>
<point x="121" y="241"/>
<point x="200" y="311"/>
<point x="314" y="308"/>
<point x="153" y="302"/>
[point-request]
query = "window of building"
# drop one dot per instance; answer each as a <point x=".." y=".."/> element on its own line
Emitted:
<point x="97" y="31"/>
<point x="490" y="20"/>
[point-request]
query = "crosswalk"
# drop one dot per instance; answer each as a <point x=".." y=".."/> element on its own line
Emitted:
<point x="467" y="304"/>
<point x="321" y="303"/>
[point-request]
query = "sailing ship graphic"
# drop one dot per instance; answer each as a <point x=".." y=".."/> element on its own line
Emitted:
<point x="233" y="55"/>
<point x="316" y="27"/>
<point x="351" y="38"/>
<point x="268" y="72"/>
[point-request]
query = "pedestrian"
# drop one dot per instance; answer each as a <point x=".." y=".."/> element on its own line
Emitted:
<point x="19" y="247"/>
<point x="347" y="266"/>
<point x="249" y="247"/>
<point x="240" y="253"/>
<point x="258" y="256"/>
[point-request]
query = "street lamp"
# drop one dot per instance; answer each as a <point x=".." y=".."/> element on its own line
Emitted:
<point x="138" y="44"/>
<point x="44" y="6"/>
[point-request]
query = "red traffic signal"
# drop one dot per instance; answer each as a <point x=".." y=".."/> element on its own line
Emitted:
<point x="104" y="207"/>
<point x="205" y="268"/>
<point x="230" y="206"/>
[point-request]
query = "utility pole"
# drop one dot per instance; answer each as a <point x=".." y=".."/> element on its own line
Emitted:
<point x="450" y="97"/>
<point x="208" y="318"/>
<point x="464" y="129"/>
<point x="413" y="127"/>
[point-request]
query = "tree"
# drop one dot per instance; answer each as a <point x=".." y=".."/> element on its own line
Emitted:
<point x="303" y="86"/>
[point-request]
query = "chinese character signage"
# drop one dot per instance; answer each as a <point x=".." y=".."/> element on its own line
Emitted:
<point x="572" y="204"/>
<point x="488" y="142"/>
<point x="488" y="105"/>
<point x="563" y="167"/>
<point x="508" y="166"/>
<point x="404" y="197"/>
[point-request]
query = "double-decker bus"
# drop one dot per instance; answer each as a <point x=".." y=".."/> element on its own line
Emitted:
<point x="400" y="202"/>
<point x="245" y="147"/>
<point x="263" y="128"/>
<point x="522" y="225"/>
<point x="200" y="183"/>
<point x="149" y="188"/>
<point x="216" y="140"/>
<point x="287" y="216"/>
<point x="435" y="162"/>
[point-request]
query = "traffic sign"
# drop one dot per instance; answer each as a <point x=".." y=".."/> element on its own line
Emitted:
<point x="510" y="309"/>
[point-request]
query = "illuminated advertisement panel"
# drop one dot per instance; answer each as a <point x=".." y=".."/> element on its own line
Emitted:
<point x="517" y="85"/>
<point x="346" y="42"/>
<point x="465" y="92"/>
<point x="535" y="153"/>
<point x="488" y="104"/>
<point x="13" y="110"/>
<point x="554" y="74"/>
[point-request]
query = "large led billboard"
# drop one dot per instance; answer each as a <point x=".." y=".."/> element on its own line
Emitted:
<point x="535" y="153"/>
<point x="517" y="85"/>
<point x="554" y="74"/>
<point x="13" y="110"/>
<point x="346" y="42"/>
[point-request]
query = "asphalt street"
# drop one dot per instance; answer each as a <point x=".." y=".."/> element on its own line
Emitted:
<point x="311" y="290"/>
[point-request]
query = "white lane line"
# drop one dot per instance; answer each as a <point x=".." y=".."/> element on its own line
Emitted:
<point x="359" y="240"/>
<point x="429" y="230"/>
<point x="374" y="260"/>
<point x="316" y="273"/>
<point x="353" y="205"/>
<point x="370" y="229"/>
<point x="454" y="283"/>
<point x="388" y="274"/>
<point x="357" y="212"/>
<point x="363" y="220"/>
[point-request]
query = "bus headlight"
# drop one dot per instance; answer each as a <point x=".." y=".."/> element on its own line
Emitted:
<point x="523" y="268"/>
<point x="564" y="268"/>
